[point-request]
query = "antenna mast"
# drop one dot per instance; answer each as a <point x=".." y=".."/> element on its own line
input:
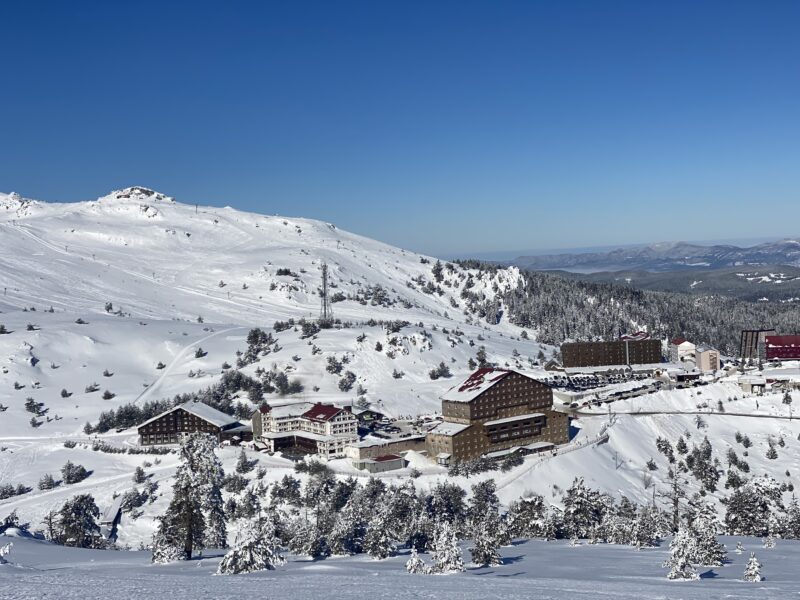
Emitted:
<point x="326" y="312"/>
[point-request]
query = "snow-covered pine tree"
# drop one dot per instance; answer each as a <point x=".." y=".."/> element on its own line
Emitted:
<point x="485" y="537"/>
<point x="583" y="509"/>
<point x="752" y="572"/>
<point x="681" y="551"/>
<point x="708" y="551"/>
<point x="739" y="548"/>
<point x="446" y="554"/>
<point x="791" y="522"/>
<point x="195" y="517"/>
<point x="526" y="517"/>
<point x="243" y="465"/>
<point x="378" y="542"/>
<point x="5" y="551"/>
<point x="416" y="565"/>
<point x="77" y="522"/>
<point x="256" y="549"/>
<point x="347" y="536"/>
<point x="167" y="542"/>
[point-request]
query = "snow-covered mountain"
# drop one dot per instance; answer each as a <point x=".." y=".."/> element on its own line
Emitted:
<point x="128" y="275"/>
<point x="154" y="279"/>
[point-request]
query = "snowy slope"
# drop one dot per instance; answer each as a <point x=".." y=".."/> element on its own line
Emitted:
<point x="532" y="569"/>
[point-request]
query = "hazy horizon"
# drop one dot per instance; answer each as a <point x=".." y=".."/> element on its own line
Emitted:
<point x="447" y="127"/>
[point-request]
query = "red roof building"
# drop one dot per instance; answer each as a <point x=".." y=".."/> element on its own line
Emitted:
<point x="782" y="347"/>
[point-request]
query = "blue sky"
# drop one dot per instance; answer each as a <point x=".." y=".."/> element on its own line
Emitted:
<point x="446" y="127"/>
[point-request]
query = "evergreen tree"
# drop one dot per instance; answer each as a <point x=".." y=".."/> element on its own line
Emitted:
<point x="681" y="551"/>
<point x="139" y="475"/>
<point x="377" y="541"/>
<point x="446" y="554"/>
<point x="708" y="551"/>
<point x="243" y="465"/>
<point x="256" y="549"/>
<point x="526" y="517"/>
<point x="583" y="509"/>
<point x="195" y="517"/>
<point x="752" y="572"/>
<point x="77" y="522"/>
<point x="415" y="564"/>
<point x="47" y="482"/>
<point x="485" y="537"/>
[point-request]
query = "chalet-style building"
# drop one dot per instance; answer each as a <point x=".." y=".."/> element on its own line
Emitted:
<point x="190" y="417"/>
<point x="492" y="412"/>
<point x="305" y="428"/>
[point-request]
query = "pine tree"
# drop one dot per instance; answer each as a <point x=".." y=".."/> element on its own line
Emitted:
<point x="195" y="517"/>
<point x="242" y="464"/>
<point x="446" y="554"/>
<point x="739" y="548"/>
<point x="752" y="572"/>
<point x="377" y="541"/>
<point x="139" y="475"/>
<point x="416" y="565"/>
<point x="708" y="551"/>
<point x="77" y="522"/>
<point x="347" y="536"/>
<point x="485" y="551"/>
<point x="681" y="551"/>
<point x="256" y="549"/>
<point x="47" y="482"/>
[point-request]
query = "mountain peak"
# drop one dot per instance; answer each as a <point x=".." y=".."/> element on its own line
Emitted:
<point x="138" y="193"/>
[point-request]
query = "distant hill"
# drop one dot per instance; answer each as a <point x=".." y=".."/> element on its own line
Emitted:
<point x="771" y="283"/>
<point x="677" y="256"/>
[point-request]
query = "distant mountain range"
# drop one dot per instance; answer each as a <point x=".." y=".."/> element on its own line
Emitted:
<point x="672" y="256"/>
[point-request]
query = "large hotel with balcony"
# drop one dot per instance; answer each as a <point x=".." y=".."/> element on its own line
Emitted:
<point x="496" y="412"/>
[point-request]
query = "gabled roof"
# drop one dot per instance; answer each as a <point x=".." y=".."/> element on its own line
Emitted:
<point x="322" y="412"/>
<point x="202" y="410"/>
<point x="678" y="341"/>
<point x="474" y="385"/>
<point x="477" y="383"/>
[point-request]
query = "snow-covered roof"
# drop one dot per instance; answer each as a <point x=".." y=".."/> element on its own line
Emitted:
<point x="322" y="412"/>
<point x="512" y="419"/>
<point x="290" y="410"/>
<point x="704" y="348"/>
<point x="447" y="428"/>
<point x="202" y="410"/>
<point x="477" y="383"/>
<point x="501" y="453"/>
<point x="539" y="445"/>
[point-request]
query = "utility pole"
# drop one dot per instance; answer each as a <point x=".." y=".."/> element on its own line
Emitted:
<point x="326" y="312"/>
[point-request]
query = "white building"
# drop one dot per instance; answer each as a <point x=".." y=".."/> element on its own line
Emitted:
<point x="681" y="349"/>
<point x="707" y="359"/>
<point x="305" y="428"/>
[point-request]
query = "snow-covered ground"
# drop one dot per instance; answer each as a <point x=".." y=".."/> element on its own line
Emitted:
<point x="532" y="569"/>
<point x="161" y="265"/>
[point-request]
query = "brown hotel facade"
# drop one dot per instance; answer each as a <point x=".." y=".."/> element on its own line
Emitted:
<point x="605" y="354"/>
<point x="492" y="411"/>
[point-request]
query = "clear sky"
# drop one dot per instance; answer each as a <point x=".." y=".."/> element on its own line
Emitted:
<point x="450" y="127"/>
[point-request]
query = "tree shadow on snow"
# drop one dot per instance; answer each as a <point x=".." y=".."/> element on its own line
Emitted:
<point x="710" y="574"/>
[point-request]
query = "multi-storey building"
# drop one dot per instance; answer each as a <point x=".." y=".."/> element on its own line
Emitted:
<point x="782" y="347"/>
<point x="305" y="428"/>
<point x="191" y="417"/>
<point x="619" y="352"/>
<point x="495" y="410"/>
<point x="680" y="349"/>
